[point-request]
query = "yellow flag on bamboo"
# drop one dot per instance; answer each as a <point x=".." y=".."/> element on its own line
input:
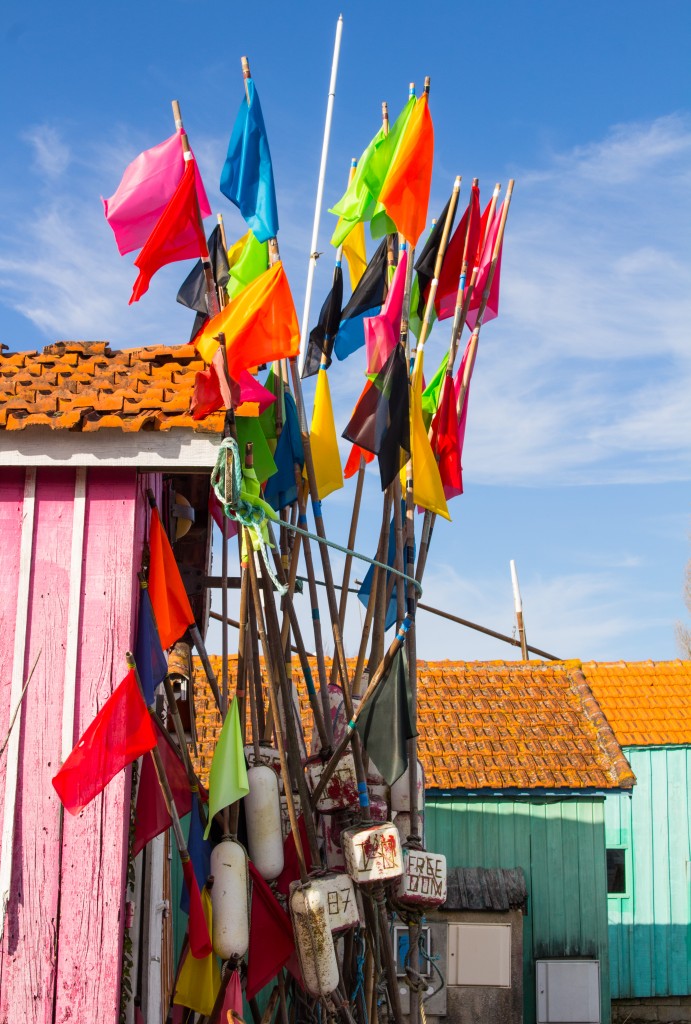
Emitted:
<point x="428" y="490"/>
<point x="355" y="252"/>
<point x="323" y="441"/>
<point x="199" y="980"/>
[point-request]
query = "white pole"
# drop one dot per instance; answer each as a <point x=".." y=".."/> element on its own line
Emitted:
<point x="518" y="605"/>
<point x="320" y="194"/>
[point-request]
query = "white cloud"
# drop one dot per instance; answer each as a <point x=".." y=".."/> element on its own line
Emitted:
<point x="51" y="154"/>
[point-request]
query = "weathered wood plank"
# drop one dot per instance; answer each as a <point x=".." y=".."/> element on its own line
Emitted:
<point x="94" y="843"/>
<point x="29" y="943"/>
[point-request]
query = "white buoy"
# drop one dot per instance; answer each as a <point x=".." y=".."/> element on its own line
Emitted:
<point x="313" y="939"/>
<point x="372" y="853"/>
<point x="230" y="899"/>
<point x="263" y="814"/>
<point x="400" y="791"/>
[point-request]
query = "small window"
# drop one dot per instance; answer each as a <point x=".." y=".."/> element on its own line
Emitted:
<point x="616" y="871"/>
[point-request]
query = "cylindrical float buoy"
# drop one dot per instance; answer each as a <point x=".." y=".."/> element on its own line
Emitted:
<point x="400" y="791"/>
<point x="263" y="814"/>
<point x="313" y="939"/>
<point x="230" y="899"/>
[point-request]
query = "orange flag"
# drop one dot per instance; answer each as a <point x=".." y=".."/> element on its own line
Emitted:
<point x="259" y="325"/>
<point x="167" y="591"/>
<point x="405" y="194"/>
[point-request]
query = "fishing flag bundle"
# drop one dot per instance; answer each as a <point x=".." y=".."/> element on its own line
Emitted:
<point x="462" y="249"/>
<point x="247" y="177"/>
<point x="177" y="235"/>
<point x="405" y="192"/>
<point x="366" y="300"/>
<point x="120" y="733"/>
<point x="169" y="599"/>
<point x="147" y="186"/>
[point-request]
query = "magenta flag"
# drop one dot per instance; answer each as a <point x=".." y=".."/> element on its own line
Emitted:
<point x="146" y="188"/>
<point x="492" y="309"/>
<point x="462" y="419"/>
<point x="382" y="332"/>
<point x="252" y="391"/>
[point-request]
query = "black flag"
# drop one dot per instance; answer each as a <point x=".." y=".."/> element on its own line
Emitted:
<point x="323" y="336"/>
<point x="193" y="289"/>
<point x="424" y="265"/>
<point x="366" y="300"/>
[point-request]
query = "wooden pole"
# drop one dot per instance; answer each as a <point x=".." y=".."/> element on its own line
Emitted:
<point x="518" y="605"/>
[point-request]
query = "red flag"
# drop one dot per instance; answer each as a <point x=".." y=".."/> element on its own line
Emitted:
<point x="492" y="307"/>
<point x="120" y="733"/>
<point x="291" y="869"/>
<point x="451" y="268"/>
<point x="463" y="419"/>
<point x="211" y="391"/>
<point x="178" y="235"/>
<point x="167" y="591"/>
<point x="152" y="816"/>
<point x="271" y="936"/>
<point x="353" y="463"/>
<point x="445" y="441"/>
<point x="200" y="940"/>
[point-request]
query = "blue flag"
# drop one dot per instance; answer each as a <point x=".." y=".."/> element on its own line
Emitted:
<point x="148" y="653"/>
<point x="199" y="850"/>
<point x="281" y="489"/>
<point x="366" y="585"/>
<point x="247" y="178"/>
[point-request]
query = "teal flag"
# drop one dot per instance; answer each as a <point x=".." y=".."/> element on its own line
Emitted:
<point x="247" y="178"/>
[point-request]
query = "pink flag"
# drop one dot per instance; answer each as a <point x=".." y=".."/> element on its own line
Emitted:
<point x="463" y="418"/>
<point x="492" y="309"/>
<point x="253" y="393"/>
<point x="232" y="1002"/>
<point x="144" y="192"/>
<point x="383" y="331"/>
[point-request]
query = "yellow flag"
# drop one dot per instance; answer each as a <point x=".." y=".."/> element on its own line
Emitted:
<point x="199" y="980"/>
<point x="325" y="455"/>
<point x="235" y="251"/>
<point x="355" y="252"/>
<point x="428" y="490"/>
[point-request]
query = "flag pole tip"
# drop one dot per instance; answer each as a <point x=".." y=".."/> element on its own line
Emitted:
<point x="245" y="65"/>
<point x="457" y="182"/>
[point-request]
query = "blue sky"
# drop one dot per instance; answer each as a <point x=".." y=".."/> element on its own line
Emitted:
<point x="577" y="454"/>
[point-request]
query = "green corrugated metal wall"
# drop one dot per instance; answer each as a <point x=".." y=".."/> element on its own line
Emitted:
<point x="650" y="929"/>
<point x="560" y="845"/>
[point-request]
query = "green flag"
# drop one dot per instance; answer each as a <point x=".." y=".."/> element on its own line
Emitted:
<point x="359" y="201"/>
<point x="249" y="428"/>
<point x="387" y="724"/>
<point x="251" y="260"/>
<point x="228" y="775"/>
<point x="430" y="396"/>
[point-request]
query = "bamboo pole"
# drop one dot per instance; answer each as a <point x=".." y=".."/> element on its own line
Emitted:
<point x="314" y="255"/>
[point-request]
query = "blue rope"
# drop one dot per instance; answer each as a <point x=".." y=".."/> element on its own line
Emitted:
<point x="360" y="972"/>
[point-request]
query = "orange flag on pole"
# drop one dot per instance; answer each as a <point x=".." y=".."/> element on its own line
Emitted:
<point x="167" y="591"/>
<point x="405" y="194"/>
<point x="260" y="324"/>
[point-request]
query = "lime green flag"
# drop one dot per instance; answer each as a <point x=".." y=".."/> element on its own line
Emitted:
<point x="249" y="428"/>
<point x="359" y="201"/>
<point x="251" y="258"/>
<point x="430" y="396"/>
<point x="268" y="417"/>
<point x="228" y="775"/>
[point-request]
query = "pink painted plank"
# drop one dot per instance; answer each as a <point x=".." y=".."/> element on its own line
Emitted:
<point x="11" y="502"/>
<point x="94" y="844"/>
<point x="28" y="962"/>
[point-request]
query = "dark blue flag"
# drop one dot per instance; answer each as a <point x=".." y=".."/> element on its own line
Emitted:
<point x="148" y="653"/>
<point x="281" y="489"/>
<point x="199" y="850"/>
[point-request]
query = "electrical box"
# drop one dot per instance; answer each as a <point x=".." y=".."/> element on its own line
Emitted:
<point x="480" y="954"/>
<point x="568" y="991"/>
<point x="433" y="935"/>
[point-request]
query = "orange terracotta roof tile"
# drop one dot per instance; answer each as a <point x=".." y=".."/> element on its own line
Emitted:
<point x="87" y="386"/>
<point x="488" y="726"/>
<point x="647" y="703"/>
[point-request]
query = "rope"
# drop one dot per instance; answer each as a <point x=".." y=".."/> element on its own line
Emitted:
<point x="360" y="973"/>
<point x="243" y="505"/>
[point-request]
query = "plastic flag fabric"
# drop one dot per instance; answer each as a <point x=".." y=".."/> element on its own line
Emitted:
<point x="152" y="817"/>
<point x="167" y="591"/>
<point x="259" y="326"/>
<point x="322" y="337"/>
<point x="366" y="300"/>
<point x="211" y="389"/>
<point x="200" y="977"/>
<point x="193" y="290"/>
<point x="366" y="585"/>
<point x="492" y="307"/>
<point x="228" y="775"/>
<point x="425" y="263"/>
<point x="271" y="936"/>
<point x="380" y="422"/>
<point x="405" y="193"/>
<point x="148" y="654"/>
<point x="427" y="486"/>
<point x="247" y="178"/>
<point x="249" y="430"/>
<point x="430" y="396"/>
<point x="355" y="253"/>
<point x="178" y="234"/>
<point x="445" y="442"/>
<point x="382" y="332"/>
<point x="323" y="440"/>
<point x="144" y="192"/>
<point x="281" y="488"/>
<point x="464" y="242"/>
<point x="353" y="463"/>
<point x="120" y="733"/>
<point x="199" y="850"/>
<point x="248" y="258"/>
<point x="386" y="725"/>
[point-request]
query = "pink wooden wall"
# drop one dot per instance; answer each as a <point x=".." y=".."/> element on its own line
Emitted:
<point x="61" y="949"/>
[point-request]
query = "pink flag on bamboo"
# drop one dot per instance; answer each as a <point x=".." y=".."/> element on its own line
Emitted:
<point x="144" y="192"/>
<point x="254" y="397"/>
<point x="492" y="308"/>
<point x="383" y="331"/>
<point x="463" y="418"/>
